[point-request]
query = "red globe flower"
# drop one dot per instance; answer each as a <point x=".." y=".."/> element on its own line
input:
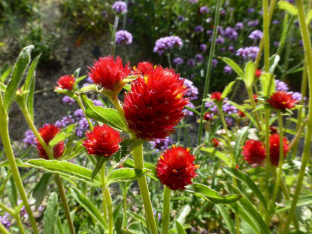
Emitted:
<point x="155" y="103"/>
<point x="275" y="148"/>
<point x="281" y="101"/>
<point x="102" y="141"/>
<point x="208" y="116"/>
<point x="254" y="152"/>
<point x="142" y="68"/>
<point x="176" y="168"/>
<point x="273" y="129"/>
<point x="47" y="133"/>
<point x="258" y="73"/>
<point x="255" y="97"/>
<point x="216" y="96"/>
<point x="106" y="72"/>
<point x="66" y="82"/>
<point x="215" y="142"/>
<point x="241" y="114"/>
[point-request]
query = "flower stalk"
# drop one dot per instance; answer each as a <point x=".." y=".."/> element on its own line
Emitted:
<point x="166" y="210"/>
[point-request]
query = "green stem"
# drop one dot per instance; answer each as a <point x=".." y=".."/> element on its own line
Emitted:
<point x="61" y="189"/>
<point x="166" y="210"/>
<point x="138" y="163"/>
<point x="287" y="54"/>
<point x="110" y="211"/>
<point x="20" y="224"/>
<point x="3" y="229"/>
<point x="7" y="209"/>
<point x="125" y="204"/>
<point x="306" y="150"/>
<point x="249" y="91"/>
<point x="114" y="32"/>
<point x="169" y="60"/>
<point x="103" y="191"/>
<point x="4" y="133"/>
<point x="266" y="36"/>
<point x="83" y="108"/>
<point x="208" y="72"/>
<point x="267" y="163"/>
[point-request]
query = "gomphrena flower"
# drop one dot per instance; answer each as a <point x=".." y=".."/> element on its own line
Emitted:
<point x="204" y="10"/>
<point x="248" y="52"/>
<point x="106" y="72"/>
<point x="275" y="148"/>
<point x="215" y="142"/>
<point x="208" y="116"/>
<point x="142" y="68"/>
<point x="103" y="141"/>
<point x="48" y="132"/>
<point x="258" y="73"/>
<point x="123" y="37"/>
<point x="281" y="101"/>
<point x="165" y="43"/>
<point x="120" y="7"/>
<point x="216" y="97"/>
<point x="254" y="152"/>
<point x="66" y="82"/>
<point x="178" y="61"/>
<point x="154" y="105"/>
<point x="176" y="168"/>
<point x="256" y="35"/>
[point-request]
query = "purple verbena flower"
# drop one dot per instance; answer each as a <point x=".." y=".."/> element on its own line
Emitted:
<point x="248" y="52"/>
<point x="204" y="10"/>
<point x="193" y="1"/>
<point x="68" y="120"/>
<point x="275" y="22"/>
<point x="120" y="7"/>
<point x="222" y="50"/>
<point x="181" y="18"/>
<point x="229" y="109"/>
<point x="161" y="144"/>
<point x="59" y="124"/>
<point x="89" y="80"/>
<point x="191" y="62"/>
<point x="212" y="107"/>
<point x="178" y="61"/>
<point x="296" y="96"/>
<point x="214" y="62"/>
<point x="223" y="12"/>
<point x="30" y="138"/>
<point x="199" y="58"/>
<point x="199" y="28"/>
<point x="231" y="49"/>
<point x="192" y="91"/>
<point x="79" y="114"/>
<point x="123" y="37"/>
<point x="5" y="221"/>
<point x="68" y="100"/>
<point x="104" y="14"/>
<point x="276" y="43"/>
<point x="220" y="40"/>
<point x="239" y="26"/>
<point x="208" y="20"/>
<point x="251" y="10"/>
<point x="253" y="23"/>
<point x="83" y="124"/>
<point x="231" y="33"/>
<point x="166" y="43"/>
<point x="187" y="112"/>
<point x="281" y="86"/>
<point x="203" y="47"/>
<point x="228" y="69"/>
<point x="98" y="103"/>
<point x="228" y="121"/>
<point x="256" y="35"/>
<point x="209" y="32"/>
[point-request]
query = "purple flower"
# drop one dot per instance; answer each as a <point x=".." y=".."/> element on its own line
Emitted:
<point x="68" y="100"/>
<point x="130" y="21"/>
<point x="227" y="69"/>
<point x="223" y="12"/>
<point x="291" y="1"/>
<point x="300" y="43"/>
<point x="193" y="1"/>
<point x="59" y="124"/>
<point x="281" y="86"/>
<point x="209" y="32"/>
<point x="204" y="231"/>
<point x="222" y="50"/>
<point x="208" y="20"/>
<point x="120" y="7"/>
<point x="131" y="3"/>
<point x="231" y="49"/>
<point x="192" y="91"/>
<point x="98" y="103"/>
<point x="166" y="43"/>
<point x="248" y="52"/>
<point x="199" y="58"/>
<point x="89" y="80"/>
<point x="68" y="120"/>
<point x="229" y="109"/>
<point x="296" y="95"/>
<point x="30" y="138"/>
<point x="79" y="132"/>
<point x="251" y="10"/>
<point x="161" y="144"/>
<point x="239" y="26"/>
<point x="79" y="113"/>
<point x="159" y="217"/>
<point x="276" y="43"/>
<point x="123" y="37"/>
<point x="187" y="112"/>
<point x="178" y="61"/>
<point x="275" y="22"/>
<point x="181" y="18"/>
<point x="5" y="221"/>
<point x="212" y="107"/>
<point x="231" y="9"/>
<point x="230" y="33"/>
<point x="214" y="62"/>
<point x="220" y="30"/>
<point x="83" y="124"/>
<point x="228" y="121"/>
<point x="253" y="23"/>
<point x="191" y="62"/>
<point x="220" y="40"/>
<point x="204" y="10"/>
<point x="193" y="229"/>
<point x="203" y="47"/>
<point x="256" y="35"/>
<point x="199" y="28"/>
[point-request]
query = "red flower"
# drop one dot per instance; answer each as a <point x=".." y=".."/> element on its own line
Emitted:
<point x="155" y="103"/>
<point x="258" y="73"/>
<point x="176" y="168"/>
<point x="254" y="152"/>
<point x="66" y="82"/>
<point x="107" y="73"/>
<point x="275" y="150"/>
<point x="241" y="114"/>
<point x="255" y="97"/>
<point x="216" y="96"/>
<point x="143" y="68"/>
<point x="47" y="133"/>
<point x="273" y="129"/>
<point x="281" y="101"/>
<point x="208" y="116"/>
<point x="102" y="141"/>
<point x="215" y="142"/>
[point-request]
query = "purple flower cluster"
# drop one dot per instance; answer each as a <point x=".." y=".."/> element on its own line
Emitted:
<point x="30" y="138"/>
<point x="123" y="37"/>
<point x="220" y="40"/>
<point x="199" y="58"/>
<point x="120" y="7"/>
<point x="192" y="91"/>
<point x="227" y="108"/>
<point x="248" y="52"/>
<point x="187" y="112"/>
<point x="230" y="33"/>
<point x="98" y="103"/>
<point x="253" y="23"/>
<point x="256" y="35"/>
<point x="166" y="43"/>
<point x="199" y="28"/>
<point x="296" y="96"/>
<point x="191" y="62"/>
<point x="178" y="61"/>
<point x="239" y="26"/>
<point x="203" y="47"/>
<point x="251" y="10"/>
<point x="181" y="18"/>
<point x="161" y="144"/>
<point x="204" y="10"/>
<point x="214" y="62"/>
<point x="5" y="221"/>
<point x="68" y="100"/>
<point x="65" y="121"/>
<point x="281" y="86"/>
<point x="193" y="1"/>
<point x="228" y="69"/>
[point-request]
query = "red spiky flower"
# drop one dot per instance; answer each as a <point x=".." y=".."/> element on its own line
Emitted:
<point x="142" y="68"/>
<point x="273" y="129"/>
<point x="281" y="101"/>
<point x="216" y="97"/>
<point x="254" y="152"/>
<point x="258" y="73"/>
<point x="215" y="142"/>
<point x="47" y="133"/>
<point x="155" y="103"/>
<point x="66" y="82"/>
<point x="106" y="72"/>
<point x="275" y="148"/>
<point x="241" y="114"/>
<point x="102" y="141"/>
<point x="255" y="97"/>
<point x="208" y="116"/>
<point x="176" y="168"/>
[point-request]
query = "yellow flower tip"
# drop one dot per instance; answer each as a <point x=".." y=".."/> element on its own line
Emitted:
<point x="197" y="166"/>
<point x="134" y="67"/>
<point x="188" y="149"/>
<point x="162" y="157"/>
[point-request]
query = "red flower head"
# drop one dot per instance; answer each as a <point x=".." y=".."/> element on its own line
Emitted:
<point x="208" y="116"/>
<point x="143" y="68"/>
<point x="176" y="168"/>
<point x="254" y="152"/>
<point x="275" y="150"/>
<point x="216" y="96"/>
<point x="106" y="72"/>
<point x="258" y="73"/>
<point x="241" y="114"/>
<point x="215" y="142"/>
<point x="155" y="103"/>
<point x="47" y="133"/>
<point x="273" y="129"/>
<point x="102" y="141"/>
<point x="66" y="82"/>
<point x="255" y="97"/>
<point x="281" y="101"/>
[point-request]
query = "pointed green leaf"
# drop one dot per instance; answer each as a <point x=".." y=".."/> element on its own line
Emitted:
<point x="291" y="9"/>
<point x="17" y="76"/>
<point x="267" y="84"/>
<point x="99" y="165"/>
<point x="63" y="134"/>
<point x="227" y="90"/>
<point x="31" y="73"/>
<point x="302" y="201"/>
<point x="152" y="169"/>
<point x="78" y="80"/>
<point x="51" y="214"/>
<point x="124" y="175"/>
<point x="5" y="72"/>
<point x="12" y="192"/>
<point x="30" y="98"/>
<point x="226" y="218"/>
<point x="234" y="66"/>
<point x="76" y="73"/>
<point x="135" y="228"/>
<point x="41" y="189"/>
<point x="137" y="217"/>
<point x="180" y="228"/>
<point x="240" y="139"/>
<point x="2" y="87"/>
<point x="249" y="74"/>
<point x="274" y="59"/>
<point x="218" y="154"/>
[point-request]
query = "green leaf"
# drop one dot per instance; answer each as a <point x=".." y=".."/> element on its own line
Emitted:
<point x="5" y="72"/>
<point x="86" y="89"/>
<point x="309" y="17"/>
<point x="51" y="214"/>
<point x="63" y="134"/>
<point x="59" y="226"/>
<point x="180" y="228"/>
<point x="226" y="218"/>
<point x="99" y="165"/>
<point x="239" y="107"/>
<point x="183" y="213"/>
<point x="273" y="60"/>
<point x="234" y="66"/>
<point x="291" y="9"/>
<point x="240" y="139"/>
<point x="105" y="115"/>
<point x="40" y="189"/>
<point x="31" y="73"/>
<point x="137" y="217"/>
<point x="227" y="90"/>
<point x="12" y="192"/>
<point x="17" y="76"/>
<point x="152" y="169"/>
<point x="247" y="181"/>
<point x="76" y="73"/>
<point x="218" y="154"/>
<point x="125" y="148"/>
<point x="30" y="98"/>
<point x="78" y="80"/>
<point x="2" y="87"/>
<point x="118" y="218"/>
<point x="124" y="175"/>
<point x="18" y="161"/>
<point x="302" y="201"/>
<point x="135" y="228"/>
<point x="66" y="169"/>
<point x="210" y="194"/>
<point x="267" y="84"/>
<point x="88" y="206"/>
<point x="249" y="74"/>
